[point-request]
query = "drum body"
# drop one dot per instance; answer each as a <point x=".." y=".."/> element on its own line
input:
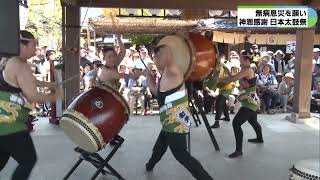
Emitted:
<point x="194" y="54"/>
<point x="305" y="170"/>
<point x="95" y="117"/>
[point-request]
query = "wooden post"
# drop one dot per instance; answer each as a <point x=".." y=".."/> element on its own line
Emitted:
<point x="302" y="75"/>
<point x="53" y="117"/>
<point x="70" y="50"/>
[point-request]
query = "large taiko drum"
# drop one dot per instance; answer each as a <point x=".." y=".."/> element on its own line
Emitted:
<point x="194" y="54"/>
<point x="95" y="117"/>
<point x="308" y="169"/>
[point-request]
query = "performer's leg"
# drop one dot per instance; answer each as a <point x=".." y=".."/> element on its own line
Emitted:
<point x="240" y="118"/>
<point x="158" y="151"/>
<point x="178" y="146"/>
<point x="226" y="111"/>
<point x="257" y="128"/>
<point x="4" y="155"/>
<point x="219" y="106"/>
<point x="23" y="151"/>
<point x="231" y="102"/>
<point x="220" y="103"/>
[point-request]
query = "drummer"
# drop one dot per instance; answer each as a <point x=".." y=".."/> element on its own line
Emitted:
<point x="18" y="86"/>
<point x="249" y="102"/>
<point x="174" y="114"/>
<point x="221" y="102"/>
<point x="109" y="72"/>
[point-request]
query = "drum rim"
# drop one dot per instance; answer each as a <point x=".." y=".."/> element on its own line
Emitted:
<point x="116" y="94"/>
<point x="83" y="121"/>
<point x="299" y="173"/>
<point x="192" y="59"/>
<point x="192" y="51"/>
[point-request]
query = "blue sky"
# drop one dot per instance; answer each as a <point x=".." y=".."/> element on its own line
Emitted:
<point x="92" y="12"/>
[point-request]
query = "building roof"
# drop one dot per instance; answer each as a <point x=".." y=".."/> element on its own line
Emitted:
<point x="140" y="25"/>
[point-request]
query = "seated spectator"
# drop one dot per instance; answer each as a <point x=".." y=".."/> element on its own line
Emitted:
<point x="285" y="89"/>
<point x="315" y="99"/>
<point x="267" y="87"/>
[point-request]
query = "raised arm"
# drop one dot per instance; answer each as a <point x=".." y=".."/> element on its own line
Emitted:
<point x="151" y="82"/>
<point x="122" y="52"/>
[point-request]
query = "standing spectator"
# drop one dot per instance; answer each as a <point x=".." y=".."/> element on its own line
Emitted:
<point x="124" y="81"/>
<point x="83" y="58"/>
<point x="88" y="76"/>
<point x="42" y="55"/>
<point x="45" y="69"/>
<point x="81" y="79"/>
<point x="285" y="89"/>
<point x="234" y="59"/>
<point x="135" y="57"/>
<point x="132" y="51"/>
<point x="255" y="50"/>
<point x="145" y="57"/>
<point x="136" y="93"/>
<point x="279" y="63"/>
<point x="92" y="54"/>
<point x="36" y="66"/>
<point x="127" y="60"/>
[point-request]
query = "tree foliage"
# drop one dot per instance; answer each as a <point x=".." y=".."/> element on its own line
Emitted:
<point x="44" y="21"/>
<point x="140" y="39"/>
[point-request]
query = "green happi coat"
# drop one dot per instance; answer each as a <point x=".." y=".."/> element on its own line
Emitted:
<point x="175" y="114"/>
<point x="14" y="111"/>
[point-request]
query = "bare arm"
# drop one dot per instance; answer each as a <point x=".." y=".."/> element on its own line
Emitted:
<point x="122" y="52"/>
<point x="109" y="74"/>
<point x="240" y="75"/>
<point x="151" y="82"/>
<point x="28" y="84"/>
<point x="45" y="84"/>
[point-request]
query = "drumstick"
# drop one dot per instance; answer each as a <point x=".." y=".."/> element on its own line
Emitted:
<point x="69" y="79"/>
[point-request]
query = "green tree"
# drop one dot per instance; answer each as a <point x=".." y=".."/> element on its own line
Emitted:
<point x="139" y="40"/>
<point x="44" y="21"/>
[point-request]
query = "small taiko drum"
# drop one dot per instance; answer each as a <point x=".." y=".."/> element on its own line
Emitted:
<point x="308" y="169"/>
<point x="194" y="54"/>
<point x="95" y="117"/>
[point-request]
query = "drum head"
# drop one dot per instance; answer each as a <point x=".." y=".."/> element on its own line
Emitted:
<point x="180" y="51"/>
<point x="308" y="167"/>
<point x="79" y="134"/>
